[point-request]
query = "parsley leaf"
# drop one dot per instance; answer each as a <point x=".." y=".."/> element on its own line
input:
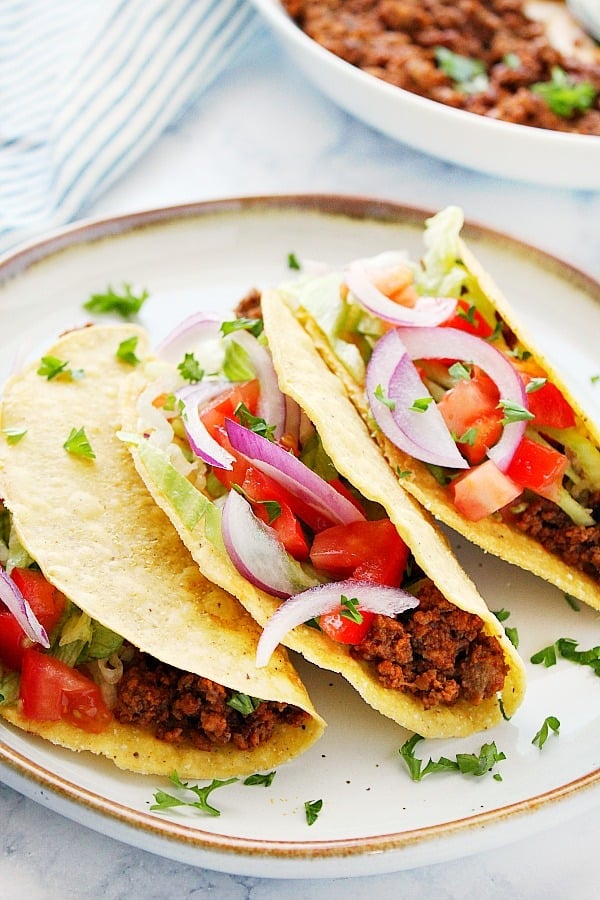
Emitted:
<point x="165" y="801"/>
<point x="465" y="763"/>
<point x="265" y="780"/>
<point x="567" y="649"/>
<point x="53" y="367"/>
<point x="484" y="761"/>
<point x="550" y="722"/>
<point x="254" y="326"/>
<point x="513" y="635"/>
<point x="126" y="351"/>
<point x="572" y="602"/>
<point x="254" y="423"/>
<point x="594" y="379"/>
<point x="564" y="95"/>
<point x="421" y="404"/>
<point x="468" y="74"/>
<point x="78" y="444"/>
<point x="243" y="703"/>
<point x="501" y="614"/>
<point x="190" y="369"/>
<point x="547" y="656"/>
<point x="513" y="412"/>
<point x="312" y="808"/>
<point x="14" y="435"/>
<point x="378" y="392"/>
<point x="293" y="262"/>
<point x="125" y="304"/>
<point x="350" y="610"/>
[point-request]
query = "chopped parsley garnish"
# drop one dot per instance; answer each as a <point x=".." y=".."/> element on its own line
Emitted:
<point x="459" y="371"/>
<point x="391" y="404"/>
<point x="264" y="780"/>
<point x="312" y="808"/>
<point x="293" y="262"/>
<point x="501" y="614"/>
<point x="550" y="722"/>
<point x="190" y="369"/>
<point x="465" y="763"/>
<point x="567" y="649"/>
<point x="513" y="635"/>
<point x="243" y="703"/>
<point x="403" y="473"/>
<point x="126" y="351"/>
<point x="272" y="507"/>
<point x="14" y="435"/>
<point x="254" y="423"/>
<point x="125" y="304"/>
<point x="547" y="656"/>
<point x="421" y="404"/>
<point x="350" y="610"/>
<point x="53" y="367"/>
<point x="164" y="801"/>
<point x="468" y="74"/>
<point x="513" y="412"/>
<point x="595" y="379"/>
<point x="564" y="95"/>
<point x="535" y="384"/>
<point x="468" y="314"/>
<point x="78" y="444"/>
<point x="572" y="602"/>
<point x="254" y="326"/>
<point x="502" y="710"/>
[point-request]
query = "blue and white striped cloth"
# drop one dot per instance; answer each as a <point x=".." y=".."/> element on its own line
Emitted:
<point x="86" y="86"/>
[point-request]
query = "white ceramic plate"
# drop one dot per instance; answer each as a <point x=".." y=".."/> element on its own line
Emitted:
<point x="498" y="148"/>
<point x="374" y="818"/>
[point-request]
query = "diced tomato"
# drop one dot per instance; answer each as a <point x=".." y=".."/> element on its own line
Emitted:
<point x="344" y="630"/>
<point x="236" y="475"/>
<point x="366" y="551"/>
<point x="468" y="318"/>
<point x="549" y="407"/>
<point x="260" y="488"/>
<point x="537" y="467"/>
<point x="213" y="415"/>
<point x="470" y="407"/>
<point x="47" y="604"/>
<point x="50" y="690"/>
<point x="482" y="490"/>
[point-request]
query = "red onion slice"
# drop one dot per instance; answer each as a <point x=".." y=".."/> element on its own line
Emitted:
<point x="423" y="435"/>
<point x="325" y="598"/>
<point x="451" y="343"/>
<point x="290" y="472"/>
<point x="191" y="332"/>
<point x="14" y="600"/>
<point x="257" y="553"/>
<point x="426" y="311"/>
<point x="271" y="402"/>
<point x="201" y="442"/>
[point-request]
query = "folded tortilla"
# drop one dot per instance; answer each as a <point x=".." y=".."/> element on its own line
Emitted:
<point x="305" y="378"/>
<point x="96" y="534"/>
<point x="492" y="534"/>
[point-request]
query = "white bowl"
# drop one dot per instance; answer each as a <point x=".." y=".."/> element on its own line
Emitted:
<point x="498" y="148"/>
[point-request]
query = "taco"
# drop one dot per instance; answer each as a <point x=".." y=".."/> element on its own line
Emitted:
<point x="110" y="638"/>
<point x="276" y="488"/>
<point x="476" y="422"/>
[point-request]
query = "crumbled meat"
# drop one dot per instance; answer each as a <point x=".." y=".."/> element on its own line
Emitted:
<point x="396" y="40"/>
<point x="576" y="545"/>
<point x="437" y="652"/>
<point x="179" y="707"/>
<point x="249" y="306"/>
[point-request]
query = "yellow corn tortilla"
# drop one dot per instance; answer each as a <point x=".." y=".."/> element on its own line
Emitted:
<point x="491" y="534"/>
<point x="99" y="538"/>
<point x="304" y="377"/>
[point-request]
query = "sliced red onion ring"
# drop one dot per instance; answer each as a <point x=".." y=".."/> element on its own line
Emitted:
<point x="451" y="343"/>
<point x="14" y="600"/>
<point x="271" y="402"/>
<point x="201" y="442"/>
<point x="290" y="472"/>
<point x="426" y="311"/>
<point x="257" y="553"/>
<point x="191" y="332"/>
<point x="423" y="435"/>
<point x="325" y="598"/>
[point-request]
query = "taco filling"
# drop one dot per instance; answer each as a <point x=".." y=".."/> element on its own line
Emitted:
<point x="287" y="521"/>
<point x="478" y="427"/>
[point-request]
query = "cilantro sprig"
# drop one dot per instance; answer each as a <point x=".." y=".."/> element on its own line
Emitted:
<point x="78" y="444"/>
<point x="350" y="610"/>
<point x="265" y="780"/>
<point x="564" y="95"/>
<point x="164" y="801"/>
<point x="254" y="423"/>
<point x="243" y="703"/>
<point x="476" y="764"/>
<point x="190" y="369"/>
<point x="312" y="808"/>
<point x="468" y="74"/>
<point x="567" y="649"/>
<point x="254" y="326"/>
<point x="124" y="303"/>
<point x="126" y="351"/>
<point x="549" y="723"/>
<point x="52" y="367"/>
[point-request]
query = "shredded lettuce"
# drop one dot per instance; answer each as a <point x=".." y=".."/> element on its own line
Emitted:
<point x="237" y="365"/>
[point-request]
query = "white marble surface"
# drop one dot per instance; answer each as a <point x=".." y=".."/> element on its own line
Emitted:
<point x="262" y="130"/>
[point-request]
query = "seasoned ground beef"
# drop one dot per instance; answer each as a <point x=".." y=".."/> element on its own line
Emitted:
<point x="437" y="652"/>
<point x="249" y="306"/>
<point x="182" y="708"/>
<point x="399" y="41"/>
<point x="577" y="545"/>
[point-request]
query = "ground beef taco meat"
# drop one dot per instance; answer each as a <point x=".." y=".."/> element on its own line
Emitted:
<point x="178" y="707"/>
<point x="437" y="652"/>
<point x="399" y="41"/>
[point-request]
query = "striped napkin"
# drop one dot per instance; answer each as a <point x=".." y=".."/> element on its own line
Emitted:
<point x="86" y="86"/>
